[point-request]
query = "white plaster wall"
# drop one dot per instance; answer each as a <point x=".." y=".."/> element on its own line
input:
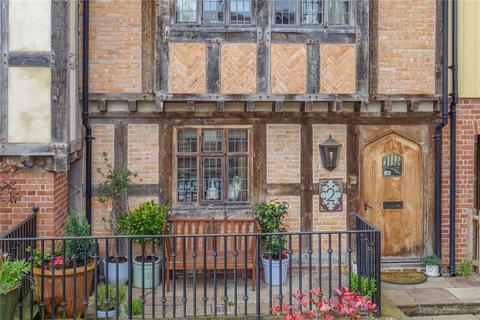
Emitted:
<point x="29" y="105"/>
<point x="29" y="23"/>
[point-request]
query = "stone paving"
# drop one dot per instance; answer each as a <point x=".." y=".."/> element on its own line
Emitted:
<point x="448" y="297"/>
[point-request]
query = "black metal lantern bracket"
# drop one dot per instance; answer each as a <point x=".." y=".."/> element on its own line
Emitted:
<point x="329" y="153"/>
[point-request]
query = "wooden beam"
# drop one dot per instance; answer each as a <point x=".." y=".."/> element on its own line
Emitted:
<point x="306" y="178"/>
<point x="412" y="106"/>
<point x="102" y="105"/>
<point x="132" y="105"/>
<point x="373" y="45"/>
<point x="159" y="106"/>
<point x="249" y="106"/>
<point x="313" y="68"/>
<point x="317" y="35"/>
<point x="262" y="97"/>
<point x="148" y="45"/>
<point x="162" y="36"/>
<point x="386" y="106"/>
<point x="335" y="106"/>
<point x="362" y="41"/>
<point x="213" y="67"/>
<point x="263" y="46"/>
<point x="191" y="106"/>
<point x="259" y="170"/>
<point x="165" y="137"/>
<point x="60" y="122"/>
<point x="278" y="106"/>
<point x="220" y="107"/>
<point x="353" y="174"/>
<point x="29" y="59"/>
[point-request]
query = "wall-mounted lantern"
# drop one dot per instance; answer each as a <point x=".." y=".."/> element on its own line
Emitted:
<point x="329" y="153"/>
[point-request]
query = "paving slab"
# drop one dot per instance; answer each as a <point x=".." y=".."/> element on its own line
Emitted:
<point x="440" y="282"/>
<point x="449" y="317"/>
<point x="466" y="295"/>
<point x="400" y="298"/>
<point x="429" y="296"/>
<point x="462" y="282"/>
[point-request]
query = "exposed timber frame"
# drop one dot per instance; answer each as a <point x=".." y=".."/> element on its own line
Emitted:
<point x="264" y="33"/>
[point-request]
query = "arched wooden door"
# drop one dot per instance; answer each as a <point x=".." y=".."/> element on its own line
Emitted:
<point x="392" y="193"/>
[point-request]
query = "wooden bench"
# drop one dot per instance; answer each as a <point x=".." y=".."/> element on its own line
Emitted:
<point x="203" y="248"/>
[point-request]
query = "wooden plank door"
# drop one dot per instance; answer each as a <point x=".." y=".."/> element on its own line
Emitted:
<point x="392" y="193"/>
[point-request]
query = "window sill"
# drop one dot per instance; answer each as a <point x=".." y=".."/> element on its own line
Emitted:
<point x="214" y="211"/>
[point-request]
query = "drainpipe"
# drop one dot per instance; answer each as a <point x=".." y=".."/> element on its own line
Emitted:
<point x="453" y="135"/>
<point x="85" y="120"/>
<point x="438" y="135"/>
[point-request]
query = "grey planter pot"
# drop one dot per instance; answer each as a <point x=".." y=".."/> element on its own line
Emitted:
<point x="112" y="272"/>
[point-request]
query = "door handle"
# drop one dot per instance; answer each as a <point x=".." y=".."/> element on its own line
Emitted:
<point x="366" y="206"/>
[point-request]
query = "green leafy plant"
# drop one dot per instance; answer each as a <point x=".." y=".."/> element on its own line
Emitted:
<point x="76" y="250"/>
<point x="367" y="287"/>
<point x="432" y="260"/>
<point x="12" y="273"/>
<point x="269" y="216"/>
<point x="137" y="307"/>
<point x="148" y="219"/>
<point x="77" y="227"/>
<point x="102" y="305"/>
<point x="114" y="187"/>
<point x="465" y="268"/>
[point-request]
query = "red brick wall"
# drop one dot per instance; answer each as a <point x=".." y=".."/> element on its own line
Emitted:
<point x="468" y="126"/>
<point x="49" y="191"/>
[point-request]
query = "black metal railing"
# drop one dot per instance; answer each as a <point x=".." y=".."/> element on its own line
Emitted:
<point x="193" y="274"/>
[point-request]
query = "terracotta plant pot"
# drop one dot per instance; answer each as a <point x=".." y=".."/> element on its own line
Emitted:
<point x="70" y="282"/>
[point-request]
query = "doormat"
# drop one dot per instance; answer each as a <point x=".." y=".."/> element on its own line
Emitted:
<point x="404" y="277"/>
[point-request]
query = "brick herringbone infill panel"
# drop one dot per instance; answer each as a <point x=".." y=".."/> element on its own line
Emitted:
<point x="337" y="68"/>
<point x="187" y="69"/>
<point x="238" y="68"/>
<point x="289" y="68"/>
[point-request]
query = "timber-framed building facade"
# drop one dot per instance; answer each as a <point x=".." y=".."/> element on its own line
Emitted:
<point x="220" y="104"/>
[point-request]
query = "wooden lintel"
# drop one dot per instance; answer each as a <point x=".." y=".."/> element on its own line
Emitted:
<point x="386" y="106"/>
<point x="159" y="106"/>
<point x="405" y="97"/>
<point x="132" y="105"/>
<point x="278" y="106"/>
<point x="102" y="105"/>
<point x="249" y="106"/>
<point x="191" y="106"/>
<point x="220" y="106"/>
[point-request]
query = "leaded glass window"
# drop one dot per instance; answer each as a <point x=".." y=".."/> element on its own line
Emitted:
<point x="216" y="157"/>
<point x="312" y="11"/>
<point x="186" y="11"/>
<point x="240" y="11"/>
<point x="339" y="12"/>
<point x="285" y="11"/>
<point x="392" y="165"/>
<point x="213" y="11"/>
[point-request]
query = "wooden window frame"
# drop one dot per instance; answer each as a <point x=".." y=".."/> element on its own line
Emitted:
<point x="200" y="155"/>
<point x="226" y="14"/>
<point x="325" y="15"/>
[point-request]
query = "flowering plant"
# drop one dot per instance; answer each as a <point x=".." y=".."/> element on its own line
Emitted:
<point x="346" y="305"/>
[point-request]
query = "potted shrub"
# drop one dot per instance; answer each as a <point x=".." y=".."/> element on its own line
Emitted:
<point x="269" y="216"/>
<point x="148" y="219"/>
<point x="12" y="273"/>
<point x="77" y="254"/>
<point x="107" y="306"/>
<point x="114" y="188"/>
<point x="432" y="265"/>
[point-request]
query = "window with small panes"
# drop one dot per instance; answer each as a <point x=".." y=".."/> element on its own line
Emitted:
<point x="212" y="165"/>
